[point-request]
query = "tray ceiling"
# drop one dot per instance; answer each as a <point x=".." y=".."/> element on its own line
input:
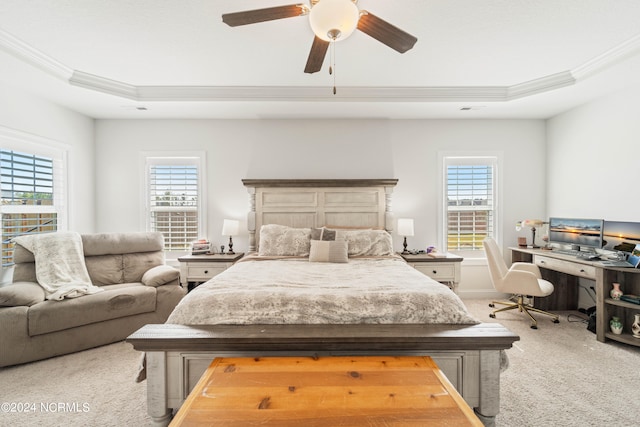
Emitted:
<point x="172" y="58"/>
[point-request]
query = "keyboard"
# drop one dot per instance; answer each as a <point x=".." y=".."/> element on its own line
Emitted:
<point x="566" y="252"/>
<point x="588" y="256"/>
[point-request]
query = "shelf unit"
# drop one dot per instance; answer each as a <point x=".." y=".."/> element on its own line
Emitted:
<point x="607" y="307"/>
<point x="564" y="271"/>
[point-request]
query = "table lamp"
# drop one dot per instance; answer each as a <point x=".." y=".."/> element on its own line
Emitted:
<point x="533" y="224"/>
<point x="405" y="228"/>
<point x="230" y="227"/>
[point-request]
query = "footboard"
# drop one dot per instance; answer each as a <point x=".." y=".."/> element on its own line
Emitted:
<point x="177" y="355"/>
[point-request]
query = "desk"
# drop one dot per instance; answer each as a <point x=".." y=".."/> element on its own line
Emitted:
<point x="564" y="271"/>
<point x="324" y="391"/>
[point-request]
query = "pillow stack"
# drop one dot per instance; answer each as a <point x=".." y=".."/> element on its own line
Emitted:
<point x="324" y="244"/>
<point x="325" y="247"/>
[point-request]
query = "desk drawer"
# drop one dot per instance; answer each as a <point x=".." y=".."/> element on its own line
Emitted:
<point x="568" y="267"/>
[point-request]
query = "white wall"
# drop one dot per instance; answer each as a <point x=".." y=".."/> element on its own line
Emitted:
<point x="22" y="112"/>
<point x="593" y="160"/>
<point x="403" y="149"/>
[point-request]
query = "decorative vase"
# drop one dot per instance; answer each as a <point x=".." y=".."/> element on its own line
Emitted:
<point x="616" y="293"/>
<point x="635" y="327"/>
<point x="616" y="325"/>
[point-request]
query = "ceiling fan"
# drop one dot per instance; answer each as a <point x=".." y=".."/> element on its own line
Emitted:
<point x="331" y="21"/>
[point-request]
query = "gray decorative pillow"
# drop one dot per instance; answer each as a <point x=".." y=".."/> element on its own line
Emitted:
<point x="323" y="234"/>
<point x="328" y="251"/>
<point x="368" y="242"/>
<point x="280" y="240"/>
<point x="21" y="293"/>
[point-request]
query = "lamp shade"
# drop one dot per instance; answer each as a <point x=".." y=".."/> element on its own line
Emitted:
<point x="532" y="223"/>
<point x="230" y="227"/>
<point x="405" y="227"/>
<point x="327" y="16"/>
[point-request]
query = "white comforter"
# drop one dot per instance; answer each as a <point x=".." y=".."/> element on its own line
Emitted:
<point x="296" y="291"/>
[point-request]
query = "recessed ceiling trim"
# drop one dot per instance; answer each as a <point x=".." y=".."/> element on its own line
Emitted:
<point x="28" y="54"/>
<point x="313" y="93"/>
<point x="102" y="84"/>
<point x="543" y="84"/>
<point x="608" y="58"/>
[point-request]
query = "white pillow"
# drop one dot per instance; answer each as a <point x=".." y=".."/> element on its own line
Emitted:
<point x="328" y="251"/>
<point x="368" y="242"/>
<point x="280" y="240"/>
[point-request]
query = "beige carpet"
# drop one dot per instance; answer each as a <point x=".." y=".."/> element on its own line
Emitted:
<point x="559" y="376"/>
<point x="96" y="388"/>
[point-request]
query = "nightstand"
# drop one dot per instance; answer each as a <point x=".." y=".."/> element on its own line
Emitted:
<point x="443" y="269"/>
<point x="197" y="269"/>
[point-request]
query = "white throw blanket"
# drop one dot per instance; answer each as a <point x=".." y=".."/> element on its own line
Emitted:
<point x="60" y="267"/>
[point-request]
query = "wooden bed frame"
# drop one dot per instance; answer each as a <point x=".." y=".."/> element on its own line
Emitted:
<point x="177" y="355"/>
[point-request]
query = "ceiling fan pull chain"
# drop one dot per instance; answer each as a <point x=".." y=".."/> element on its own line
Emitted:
<point x="333" y="64"/>
<point x="331" y="60"/>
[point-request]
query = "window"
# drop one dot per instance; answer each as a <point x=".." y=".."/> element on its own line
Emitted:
<point x="32" y="190"/>
<point x="470" y="201"/>
<point x="174" y="200"/>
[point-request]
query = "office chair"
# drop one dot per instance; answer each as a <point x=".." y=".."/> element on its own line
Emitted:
<point x="521" y="280"/>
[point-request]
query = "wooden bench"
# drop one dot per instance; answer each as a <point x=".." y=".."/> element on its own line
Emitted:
<point x="324" y="392"/>
<point x="177" y="355"/>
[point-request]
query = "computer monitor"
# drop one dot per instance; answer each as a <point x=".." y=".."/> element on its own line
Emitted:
<point x="621" y="236"/>
<point x="577" y="232"/>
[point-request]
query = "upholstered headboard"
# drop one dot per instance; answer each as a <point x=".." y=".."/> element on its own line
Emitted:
<point x="318" y="202"/>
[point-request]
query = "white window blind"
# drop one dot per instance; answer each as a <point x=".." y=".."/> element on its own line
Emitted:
<point x="470" y="201"/>
<point x="174" y="200"/>
<point x="28" y="188"/>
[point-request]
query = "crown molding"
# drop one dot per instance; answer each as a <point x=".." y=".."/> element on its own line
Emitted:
<point x="543" y="84"/>
<point x="30" y="55"/>
<point x="103" y="84"/>
<point x="315" y="93"/>
<point x="608" y="58"/>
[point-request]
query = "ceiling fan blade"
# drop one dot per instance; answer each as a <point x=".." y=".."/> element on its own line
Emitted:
<point x="261" y="15"/>
<point x="385" y="33"/>
<point x="316" y="55"/>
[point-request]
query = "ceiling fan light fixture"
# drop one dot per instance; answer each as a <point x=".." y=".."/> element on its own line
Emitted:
<point x="334" y="20"/>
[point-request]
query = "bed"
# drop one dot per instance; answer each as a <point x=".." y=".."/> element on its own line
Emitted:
<point x="321" y="279"/>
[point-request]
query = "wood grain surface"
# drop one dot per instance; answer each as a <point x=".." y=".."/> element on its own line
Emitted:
<point x="325" y="391"/>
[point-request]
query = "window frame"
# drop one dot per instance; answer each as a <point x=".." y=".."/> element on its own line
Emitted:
<point x="196" y="158"/>
<point x="446" y="159"/>
<point x="14" y="140"/>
